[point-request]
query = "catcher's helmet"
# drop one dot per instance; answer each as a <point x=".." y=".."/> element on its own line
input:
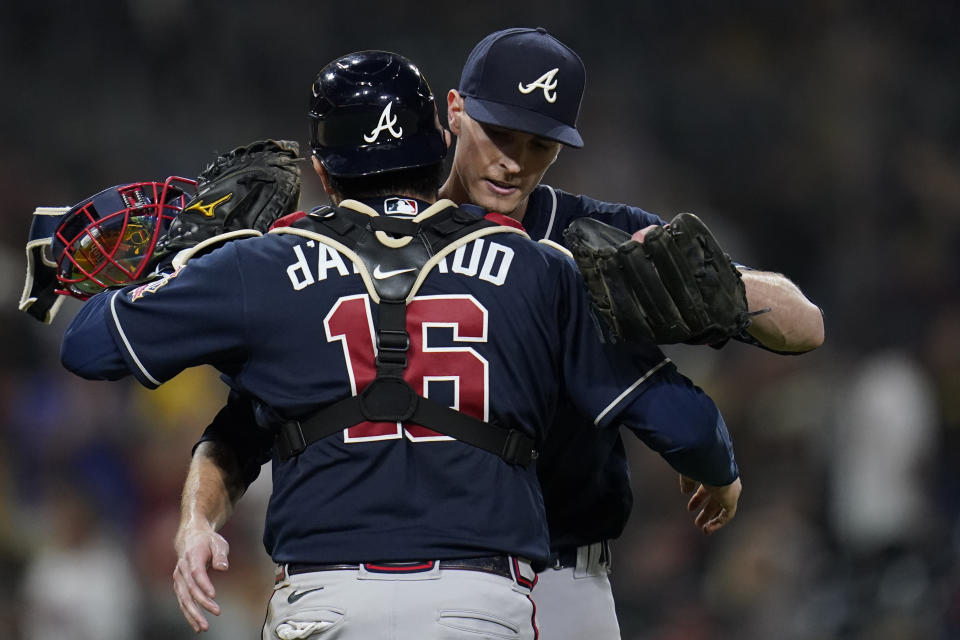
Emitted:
<point x="107" y="240"/>
<point x="372" y="112"/>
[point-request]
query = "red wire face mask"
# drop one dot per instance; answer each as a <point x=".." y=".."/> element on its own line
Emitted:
<point x="108" y="240"/>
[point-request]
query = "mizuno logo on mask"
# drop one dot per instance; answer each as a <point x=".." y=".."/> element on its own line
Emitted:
<point x="386" y="123"/>
<point x="548" y="82"/>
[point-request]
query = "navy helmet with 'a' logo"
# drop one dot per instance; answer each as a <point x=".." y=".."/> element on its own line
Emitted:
<point x="373" y="112"/>
<point x="525" y="79"/>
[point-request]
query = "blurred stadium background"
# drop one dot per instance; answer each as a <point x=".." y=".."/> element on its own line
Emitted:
<point x="819" y="138"/>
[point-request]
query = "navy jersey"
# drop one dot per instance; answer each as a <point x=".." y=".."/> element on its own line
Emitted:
<point x="584" y="472"/>
<point x="500" y="328"/>
<point x="550" y="211"/>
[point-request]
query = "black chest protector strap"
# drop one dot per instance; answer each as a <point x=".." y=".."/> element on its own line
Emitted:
<point x="389" y="398"/>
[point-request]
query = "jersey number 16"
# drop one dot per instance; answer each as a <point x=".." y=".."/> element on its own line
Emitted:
<point x="350" y="322"/>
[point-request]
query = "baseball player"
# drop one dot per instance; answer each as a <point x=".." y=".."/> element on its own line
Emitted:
<point x="516" y="106"/>
<point x="406" y="357"/>
<point x="504" y="148"/>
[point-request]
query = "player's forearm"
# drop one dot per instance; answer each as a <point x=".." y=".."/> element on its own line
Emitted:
<point x="709" y="460"/>
<point x="88" y="349"/>
<point x="711" y="464"/>
<point x="211" y="489"/>
<point x="679" y="421"/>
<point x="793" y="322"/>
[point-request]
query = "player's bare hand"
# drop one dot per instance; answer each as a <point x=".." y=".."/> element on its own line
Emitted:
<point x="717" y="505"/>
<point x="688" y="484"/>
<point x="198" y="547"/>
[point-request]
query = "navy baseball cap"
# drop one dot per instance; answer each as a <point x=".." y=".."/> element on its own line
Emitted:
<point x="525" y="79"/>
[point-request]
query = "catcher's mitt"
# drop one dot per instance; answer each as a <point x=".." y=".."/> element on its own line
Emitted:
<point x="245" y="189"/>
<point x="676" y="286"/>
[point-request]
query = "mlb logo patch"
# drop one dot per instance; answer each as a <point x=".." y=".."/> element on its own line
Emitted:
<point x="401" y="206"/>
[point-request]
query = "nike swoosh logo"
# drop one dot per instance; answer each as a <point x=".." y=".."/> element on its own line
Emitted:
<point x="380" y="275"/>
<point x="296" y="595"/>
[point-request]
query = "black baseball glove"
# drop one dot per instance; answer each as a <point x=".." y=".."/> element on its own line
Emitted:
<point x="245" y="189"/>
<point x="676" y="286"/>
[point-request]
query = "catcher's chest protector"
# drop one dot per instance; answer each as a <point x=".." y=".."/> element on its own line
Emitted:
<point x="403" y="248"/>
<point x="393" y="256"/>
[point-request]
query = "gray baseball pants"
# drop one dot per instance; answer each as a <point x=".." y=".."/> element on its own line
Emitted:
<point x="402" y="601"/>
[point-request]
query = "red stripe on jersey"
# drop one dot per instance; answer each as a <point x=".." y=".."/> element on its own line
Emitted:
<point x="289" y="219"/>
<point x="503" y="220"/>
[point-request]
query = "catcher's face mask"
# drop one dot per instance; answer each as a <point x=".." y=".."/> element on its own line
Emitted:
<point x="108" y="240"/>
